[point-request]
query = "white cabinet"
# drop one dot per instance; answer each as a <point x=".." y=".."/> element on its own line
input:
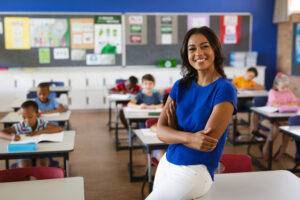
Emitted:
<point x="89" y="85"/>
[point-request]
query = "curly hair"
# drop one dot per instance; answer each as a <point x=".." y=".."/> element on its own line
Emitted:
<point x="188" y="72"/>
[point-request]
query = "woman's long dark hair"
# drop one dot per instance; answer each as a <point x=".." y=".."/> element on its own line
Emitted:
<point x="188" y="72"/>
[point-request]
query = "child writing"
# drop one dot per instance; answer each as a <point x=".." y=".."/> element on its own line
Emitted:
<point x="31" y="125"/>
<point x="46" y="104"/>
<point x="279" y="96"/>
<point x="247" y="82"/>
<point x="147" y="98"/>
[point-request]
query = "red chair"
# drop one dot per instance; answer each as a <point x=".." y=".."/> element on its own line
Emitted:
<point x="150" y="122"/>
<point x="234" y="163"/>
<point x="25" y="174"/>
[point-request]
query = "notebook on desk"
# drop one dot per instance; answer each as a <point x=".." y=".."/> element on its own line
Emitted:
<point x="53" y="137"/>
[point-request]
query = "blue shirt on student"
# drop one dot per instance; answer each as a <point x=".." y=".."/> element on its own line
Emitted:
<point x="50" y="105"/>
<point x="194" y="105"/>
<point x="149" y="100"/>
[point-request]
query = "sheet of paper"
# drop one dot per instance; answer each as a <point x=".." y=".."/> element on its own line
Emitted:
<point x="268" y="109"/>
<point x="44" y="56"/>
<point x="147" y="132"/>
<point x="78" y="54"/>
<point x="61" y="53"/>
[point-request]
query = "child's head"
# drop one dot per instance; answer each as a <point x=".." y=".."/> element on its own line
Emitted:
<point x="132" y="81"/>
<point x="251" y="74"/>
<point x="281" y="82"/>
<point x="30" y="112"/>
<point x="43" y="91"/>
<point x="148" y="82"/>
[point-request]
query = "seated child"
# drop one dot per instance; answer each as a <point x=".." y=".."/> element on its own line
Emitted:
<point x="130" y="86"/>
<point x="31" y="125"/>
<point x="147" y="98"/>
<point x="246" y="82"/>
<point x="279" y="95"/>
<point x="46" y="104"/>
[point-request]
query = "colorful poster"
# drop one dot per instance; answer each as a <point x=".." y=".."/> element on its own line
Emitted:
<point x="297" y="44"/>
<point x="44" y="56"/>
<point x="78" y="54"/>
<point x="198" y="21"/>
<point x="166" y="29"/>
<point x="230" y="29"/>
<point x="108" y="31"/>
<point x="49" y="32"/>
<point x="16" y="32"/>
<point x="60" y="53"/>
<point x="136" y="24"/>
<point x="100" y="59"/>
<point x="82" y="33"/>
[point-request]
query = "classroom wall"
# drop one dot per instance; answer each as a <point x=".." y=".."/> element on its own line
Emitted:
<point x="264" y="31"/>
<point x="285" y="50"/>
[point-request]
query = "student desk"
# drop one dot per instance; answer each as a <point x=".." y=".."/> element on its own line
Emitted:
<point x="244" y="95"/>
<point x="272" y="117"/>
<point x="294" y="132"/>
<point x="265" y="185"/>
<point x="58" y="90"/>
<point x="15" y="117"/>
<point x="150" y="142"/>
<point x="48" y="189"/>
<point x="45" y="149"/>
<point x="136" y="115"/>
<point x="118" y="99"/>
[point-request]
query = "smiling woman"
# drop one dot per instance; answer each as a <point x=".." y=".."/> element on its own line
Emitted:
<point x="194" y="120"/>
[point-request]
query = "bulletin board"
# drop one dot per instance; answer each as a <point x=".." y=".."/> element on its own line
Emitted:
<point x="150" y="52"/>
<point x="118" y="39"/>
<point x="296" y="50"/>
<point x="46" y="40"/>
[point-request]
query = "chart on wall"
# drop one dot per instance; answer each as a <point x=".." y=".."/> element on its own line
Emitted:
<point x="49" y="32"/>
<point x="296" y="50"/>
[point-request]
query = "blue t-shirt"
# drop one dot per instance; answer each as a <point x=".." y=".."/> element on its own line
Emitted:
<point x="50" y="105"/>
<point x="194" y="105"/>
<point x="149" y="100"/>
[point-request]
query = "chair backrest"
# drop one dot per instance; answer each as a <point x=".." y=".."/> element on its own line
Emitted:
<point x="294" y="121"/>
<point x="234" y="163"/>
<point x="120" y="80"/>
<point x="57" y="83"/>
<point x="260" y="101"/>
<point x="23" y="174"/>
<point x="150" y="122"/>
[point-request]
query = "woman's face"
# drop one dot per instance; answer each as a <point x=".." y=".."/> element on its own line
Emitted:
<point x="200" y="53"/>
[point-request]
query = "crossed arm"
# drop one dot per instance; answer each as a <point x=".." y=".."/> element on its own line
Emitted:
<point x="204" y="140"/>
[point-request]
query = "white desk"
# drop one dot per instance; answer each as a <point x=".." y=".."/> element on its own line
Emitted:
<point x="49" y="189"/>
<point x="136" y="115"/>
<point x="266" y="185"/>
<point x="293" y="131"/>
<point x="242" y="96"/>
<point x="45" y="149"/>
<point x="150" y="142"/>
<point x="117" y="99"/>
<point x="15" y="117"/>
<point x="272" y="117"/>
<point x="252" y="93"/>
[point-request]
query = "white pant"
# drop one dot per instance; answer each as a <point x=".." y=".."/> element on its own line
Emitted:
<point x="179" y="182"/>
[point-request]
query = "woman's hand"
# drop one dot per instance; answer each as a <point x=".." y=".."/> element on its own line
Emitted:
<point x="171" y="114"/>
<point x="201" y="141"/>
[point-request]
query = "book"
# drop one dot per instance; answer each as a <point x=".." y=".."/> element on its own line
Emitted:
<point x="21" y="147"/>
<point x="268" y="109"/>
<point x="53" y="137"/>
